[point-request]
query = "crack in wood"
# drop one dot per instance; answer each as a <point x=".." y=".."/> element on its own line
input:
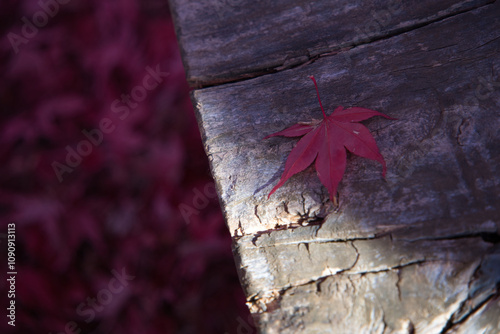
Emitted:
<point x="317" y="281"/>
<point x="398" y="282"/>
<point x="450" y="324"/>
<point x="459" y="316"/>
<point x="389" y="269"/>
<point x="354" y="263"/>
<point x="256" y="213"/>
<point x="486" y="236"/>
<point x="308" y="59"/>
<point x="278" y="228"/>
<point x="316" y="241"/>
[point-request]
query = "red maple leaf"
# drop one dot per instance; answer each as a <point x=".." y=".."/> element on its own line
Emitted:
<point x="326" y="142"/>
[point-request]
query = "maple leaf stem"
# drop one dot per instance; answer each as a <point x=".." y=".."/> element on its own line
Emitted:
<point x="319" y="99"/>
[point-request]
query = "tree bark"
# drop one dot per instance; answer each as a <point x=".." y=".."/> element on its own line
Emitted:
<point x="417" y="252"/>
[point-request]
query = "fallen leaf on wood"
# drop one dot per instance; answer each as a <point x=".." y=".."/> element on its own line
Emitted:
<point x="325" y="141"/>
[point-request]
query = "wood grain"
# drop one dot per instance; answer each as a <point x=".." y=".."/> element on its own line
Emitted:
<point x="418" y="252"/>
<point x="228" y="40"/>
<point x="402" y="254"/>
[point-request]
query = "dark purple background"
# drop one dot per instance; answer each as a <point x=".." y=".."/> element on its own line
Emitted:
<point x="118" y="210"/>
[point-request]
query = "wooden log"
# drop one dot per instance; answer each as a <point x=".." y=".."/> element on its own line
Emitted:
<point x="228" y="40"/>
<point x="418" y="252"/>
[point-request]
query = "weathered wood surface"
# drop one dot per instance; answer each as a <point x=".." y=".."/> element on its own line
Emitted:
<point x="418" y="252"/>
<point x="226" y="40"/>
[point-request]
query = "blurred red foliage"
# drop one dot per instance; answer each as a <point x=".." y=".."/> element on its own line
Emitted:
<point x="117" y="210"/>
